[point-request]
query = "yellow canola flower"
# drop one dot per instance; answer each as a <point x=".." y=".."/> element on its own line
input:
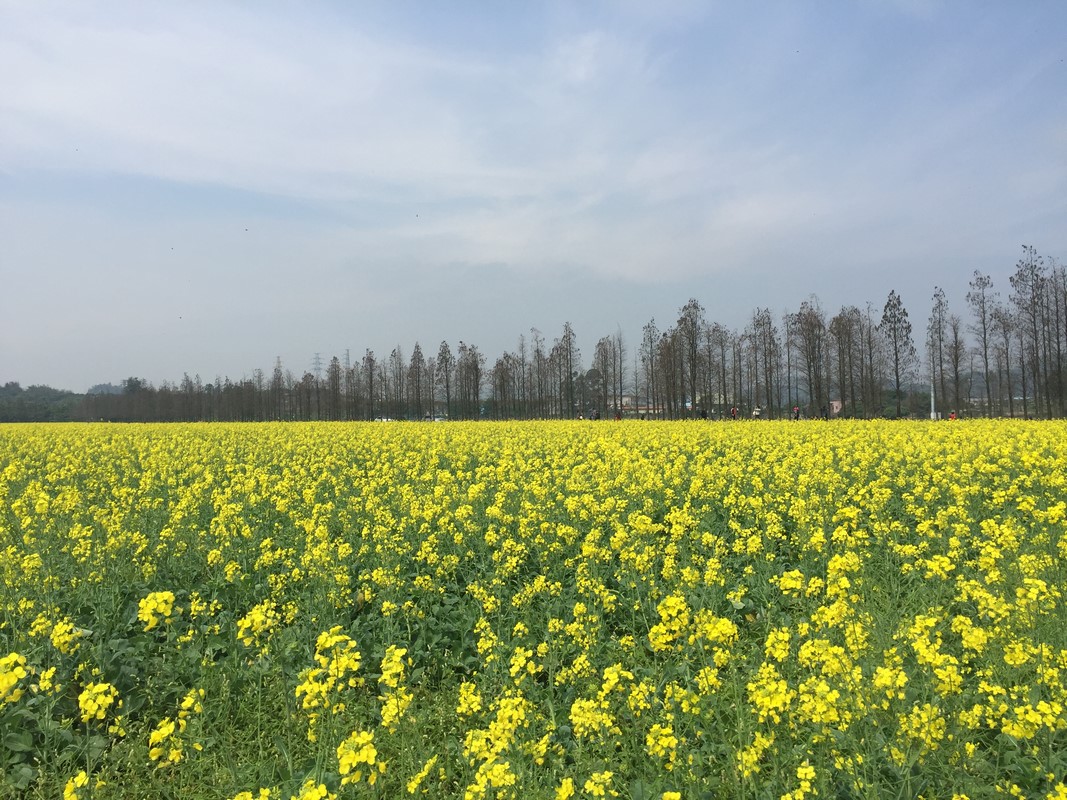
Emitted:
<point x="357" y="756"/>
<point x="866" y="568"/>
<point x="66" y="638"/>
<point x="95" y="700"/>
<point x="777" y="644"/>
<point x="256" y="627"/>
<point x="769" y="694"/>
<point x="312" y="790"/>
<point x="45" y="682"/>
<point x="492" y="774"/>
<point x="191" y="703"/>
<point x="674" y="619"/>
<point x="163" y="731"/>
<point x="470" y="701"/>
<point x="414" y="785"/>
<point x="614" y="677"/>
<point x="395" y="707"/>
<point x="923" y="728"/>
<point x="393" y="667"/>
<point x="591" y="717"/>
<point x="12" y="670"/>
<point x="600" y="784"/>
<point x="487" y="745"/>
<point x="155" y="608"/>
<point x="749" y="758"/>
<point x="322" y="687"/>
<point x="663" y="744"/>
<point x="79" y="781"/>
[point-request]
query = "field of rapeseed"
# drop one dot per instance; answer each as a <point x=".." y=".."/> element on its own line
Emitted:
<point x="549" y="610"/>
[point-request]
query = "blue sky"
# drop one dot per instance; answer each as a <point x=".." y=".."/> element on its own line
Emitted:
<point x="200" y="187"/>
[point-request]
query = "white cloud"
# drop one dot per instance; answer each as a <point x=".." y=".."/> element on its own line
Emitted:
<point x="231" y="99"/>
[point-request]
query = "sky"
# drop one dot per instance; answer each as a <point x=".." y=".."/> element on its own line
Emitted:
<point x="204" y="187"/>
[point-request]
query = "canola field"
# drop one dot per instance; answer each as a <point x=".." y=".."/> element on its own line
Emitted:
<point x="539" y="610"/>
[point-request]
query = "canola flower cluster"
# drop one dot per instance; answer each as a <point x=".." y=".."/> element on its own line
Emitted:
<point x="587" y="610"/>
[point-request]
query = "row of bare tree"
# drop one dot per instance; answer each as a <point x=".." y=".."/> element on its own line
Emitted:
<point x="1006" y="359"/>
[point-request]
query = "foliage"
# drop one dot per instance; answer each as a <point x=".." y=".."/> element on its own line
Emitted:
<point x="36" y="404"/>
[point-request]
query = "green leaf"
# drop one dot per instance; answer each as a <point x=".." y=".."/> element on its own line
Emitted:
<point x="18" y="742"/>
<point x="22" y="776"/>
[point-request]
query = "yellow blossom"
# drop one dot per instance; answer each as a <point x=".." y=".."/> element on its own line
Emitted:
<point x="79" y="781"/>
<point x="358" y="757"/>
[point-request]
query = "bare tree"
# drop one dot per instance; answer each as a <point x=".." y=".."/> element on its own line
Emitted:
<point x="896" y="329"/>
<point x="370" y="372"/>
<point x="982" y="299"/>
<point x="845" y="334"/>
<point x="307" y="396"/>
<point x="429" y="380"/>
<point x="568" y="368"/>
<point x="738" y="344"/>
<point x="503" y="384"/>
<point x="935" y="343"/>
<point x="397" y="382"/>
<point x="1003" y="326"/>
<point x="873" y="367"/>
<point x="277" y="391"/>
<point x="384" y="384"/>
<point x="720" y="340"/>
<point x="333" y="389"/>
<point x="415" y="382"/>
<point x="671" y="373"/>
<point x="541" y="372"/>
<point x="811" y="333"/>
<point x="955" y="352"/>
<point x="1058" y="292"/>
<point x="351" y="388"/>
<point x="446" y="364"/>
<point x="524" y="377"/>
<point x="1028" y="290"/>
<point x="690" y="326"/>
<point x="1025" y="358"/>
<point x="764" y="352"/>
<point x="470" y="366"/>
<point x="650" y="336"/>
<point x="618" y="370"/>
<point x="601" y="376"/>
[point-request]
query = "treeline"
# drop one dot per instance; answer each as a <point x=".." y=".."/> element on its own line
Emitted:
<point x="1006" y="357"/>
<point x="37" y="404"/>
